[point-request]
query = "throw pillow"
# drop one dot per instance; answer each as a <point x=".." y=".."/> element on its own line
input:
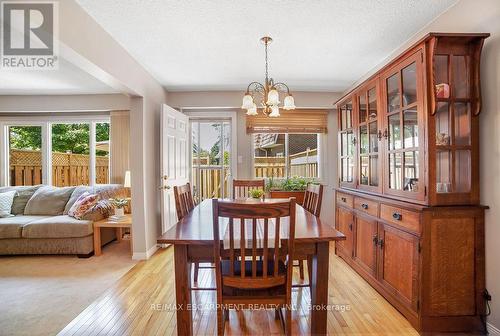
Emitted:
<point x="49" y="201"/>
<point x="84" y="203"/>
<point x="6" y="200"/>
<point x="102" y="209"/>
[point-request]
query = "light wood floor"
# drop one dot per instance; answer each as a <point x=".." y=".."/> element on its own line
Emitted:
<point x="143" y="303"/>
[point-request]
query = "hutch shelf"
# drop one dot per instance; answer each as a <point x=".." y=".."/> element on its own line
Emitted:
<point x="408" y="197"/>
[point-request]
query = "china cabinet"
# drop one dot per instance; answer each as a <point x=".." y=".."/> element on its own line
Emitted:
<point x="408" y="197"/>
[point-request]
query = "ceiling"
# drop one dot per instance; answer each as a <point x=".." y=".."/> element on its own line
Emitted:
<point x="68" y="79"/>
<point x="319" y="45"/>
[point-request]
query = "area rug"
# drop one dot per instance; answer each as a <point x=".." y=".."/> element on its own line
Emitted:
<point x="40" y="295"/>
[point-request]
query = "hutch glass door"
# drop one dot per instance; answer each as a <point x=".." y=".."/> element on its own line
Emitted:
<point x="404" y="160"/>
<point x="369" y="138"/>
<point x="347" y="142"/>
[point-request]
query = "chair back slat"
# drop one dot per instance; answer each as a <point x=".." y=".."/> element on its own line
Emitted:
<point x="242" y="188"/>
<point x="276" y="246"/>
<point x="184" y="202"/>
<point x="253" y="218"/>
<point x="313" y="198"/>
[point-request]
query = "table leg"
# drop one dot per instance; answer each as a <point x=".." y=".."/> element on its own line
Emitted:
<point x="119" y="234"/>
<point x="97" y="241"/>
<point x="182" y="291"/>
<point x="319" y="289"/>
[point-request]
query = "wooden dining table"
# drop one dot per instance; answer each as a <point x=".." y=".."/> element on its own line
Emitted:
<point x="192" y="238"/>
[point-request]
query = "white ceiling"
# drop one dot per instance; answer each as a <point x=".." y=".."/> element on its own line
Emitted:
<point x="319" y="45"/>
<point x="68" y="79"/>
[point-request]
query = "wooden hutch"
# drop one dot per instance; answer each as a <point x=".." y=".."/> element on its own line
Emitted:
<point x="408" y="196"/>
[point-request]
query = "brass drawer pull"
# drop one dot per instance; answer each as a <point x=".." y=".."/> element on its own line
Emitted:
<point x="364" y="206"/>
<point x="397" y="216"/>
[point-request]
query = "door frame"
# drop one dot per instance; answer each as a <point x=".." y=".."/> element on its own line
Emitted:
<point x="215" y="115"/>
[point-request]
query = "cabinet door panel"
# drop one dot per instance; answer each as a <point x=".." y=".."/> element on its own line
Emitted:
<point x="398" y="264"/>
<point x="344" y="224"/>
<point x="365" y="250"/>
<point x="404" y="119"/>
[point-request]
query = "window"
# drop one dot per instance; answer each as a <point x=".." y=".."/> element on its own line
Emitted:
<point x="286" y="155"/>
<point x="102" y="145"/>
<point x="70" y="154"/>
<point x="59" y="152"/>
<point x="25" y="155"/>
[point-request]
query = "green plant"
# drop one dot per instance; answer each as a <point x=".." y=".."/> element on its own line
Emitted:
<point x="119" y="202"/>
<point x="289" y="184"/>
<point x="256" y="193"/>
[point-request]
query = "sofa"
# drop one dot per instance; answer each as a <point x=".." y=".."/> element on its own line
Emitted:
<point x="41" y="224"/>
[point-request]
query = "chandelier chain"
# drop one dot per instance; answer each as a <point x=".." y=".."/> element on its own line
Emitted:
<point x="267" y="73"/>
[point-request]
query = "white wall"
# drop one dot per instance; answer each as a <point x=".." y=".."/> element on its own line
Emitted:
<point x="223" y="100"/>
<point x="480" y="16"/>
<point x="64" y="103"/>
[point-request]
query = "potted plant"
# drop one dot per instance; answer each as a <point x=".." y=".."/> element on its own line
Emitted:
<point x="119" y="205"/>
<point x="256" y="193"/>
<point x="289" y="187"/>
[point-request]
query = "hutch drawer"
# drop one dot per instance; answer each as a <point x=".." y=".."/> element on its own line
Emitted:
<point x="367" y="206"/>
<point x="345" y="200"/>
<point x="405" y="218"/>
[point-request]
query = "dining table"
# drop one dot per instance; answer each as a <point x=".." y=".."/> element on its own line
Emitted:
<point x="192" y="239"/>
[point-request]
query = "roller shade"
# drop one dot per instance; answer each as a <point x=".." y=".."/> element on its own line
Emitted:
<point x="293" y="121"/>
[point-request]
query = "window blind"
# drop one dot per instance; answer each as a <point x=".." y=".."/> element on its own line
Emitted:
<point x="293" y="121"/>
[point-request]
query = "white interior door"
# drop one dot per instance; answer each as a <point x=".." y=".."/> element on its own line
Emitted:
<point x="174" y="160"/>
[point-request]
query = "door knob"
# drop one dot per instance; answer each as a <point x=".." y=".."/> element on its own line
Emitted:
<point x="165" y="187"/>
<point x="165" y="177"/>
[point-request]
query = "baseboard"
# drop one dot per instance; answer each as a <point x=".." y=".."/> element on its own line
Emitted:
<point x="145" y="255"/>
<point x="492" y="330"/>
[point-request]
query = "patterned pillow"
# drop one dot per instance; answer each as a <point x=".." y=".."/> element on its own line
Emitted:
<point x="102" y="209"/>
<point x="85" y="202"/>
<point x="6" y="200"/>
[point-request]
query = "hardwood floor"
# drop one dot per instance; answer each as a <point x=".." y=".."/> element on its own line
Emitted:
<point x="143" y="303"/>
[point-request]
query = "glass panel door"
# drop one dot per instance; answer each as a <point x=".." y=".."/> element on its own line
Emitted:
<point x="347" y="144"/>
<point x="211" y="159"/>
<point x="369" y="137"/>
<point x="403" y="129"/>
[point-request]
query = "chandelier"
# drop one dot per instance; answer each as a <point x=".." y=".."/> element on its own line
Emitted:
<point x="267" y="92"/>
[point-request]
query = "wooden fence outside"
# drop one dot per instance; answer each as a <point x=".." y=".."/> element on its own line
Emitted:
<point x="304" y="164"/>
<point x="67" y="169"/>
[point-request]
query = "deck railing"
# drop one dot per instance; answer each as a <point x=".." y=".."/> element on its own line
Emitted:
<point x="209" y="183"/>
<point x="67" y="169"/>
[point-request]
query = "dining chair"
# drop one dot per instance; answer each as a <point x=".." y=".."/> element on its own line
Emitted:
<point x="253" y="229"/>
<point x="312" y="202"/>
<point x="241" y="188"/>
<point x="184" y="203"/>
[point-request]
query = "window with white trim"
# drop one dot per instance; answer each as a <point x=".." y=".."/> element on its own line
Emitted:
<point x="281" y="155"/>
<point x="60" y="152"/>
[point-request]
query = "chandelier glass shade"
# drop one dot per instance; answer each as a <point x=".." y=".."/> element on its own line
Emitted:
<point x="267" y="95"/>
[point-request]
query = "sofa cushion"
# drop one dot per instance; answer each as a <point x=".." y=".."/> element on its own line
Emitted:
<point x="62" y="226"/>
<point x="48" y="200"/>
<point x="11" y="227"/>
<point x="23" y="195"/>
<point x="79" y="191"/>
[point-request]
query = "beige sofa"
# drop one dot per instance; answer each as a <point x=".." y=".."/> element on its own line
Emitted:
<point x="41" y="224"/>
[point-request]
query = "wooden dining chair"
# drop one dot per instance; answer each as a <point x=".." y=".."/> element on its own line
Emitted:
<point x="241" y="188"/>
<point x="242" y="279"/>
<point x="184" y="203"/>
<point x="312" y="202"/>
